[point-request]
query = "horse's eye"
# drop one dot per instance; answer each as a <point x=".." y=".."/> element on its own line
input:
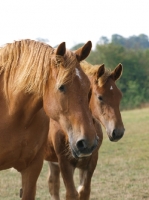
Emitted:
<point x="100" y="98"/>
<point x="62" y="88"/>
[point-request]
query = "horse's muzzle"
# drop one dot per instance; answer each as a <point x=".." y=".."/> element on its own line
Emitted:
<point x="117" y="134"/>
<point x="82" y="149"/>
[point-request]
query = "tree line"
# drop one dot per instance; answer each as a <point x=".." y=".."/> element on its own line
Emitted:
<point x="133" y="53"/>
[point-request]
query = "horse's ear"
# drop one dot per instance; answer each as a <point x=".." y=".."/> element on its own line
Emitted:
<point x="117" y="72"/>
<point x="101" y="71"/>
<point x="61" y="49"/>
<point x="83" y="51"/>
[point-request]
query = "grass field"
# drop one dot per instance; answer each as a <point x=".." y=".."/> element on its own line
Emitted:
<point x="122" y="172"/>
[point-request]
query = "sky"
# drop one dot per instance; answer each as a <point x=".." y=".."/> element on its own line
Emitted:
<point x="72" y="21"/>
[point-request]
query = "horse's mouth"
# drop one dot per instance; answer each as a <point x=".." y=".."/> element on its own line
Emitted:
<point x="79" y="155"/>
<point x="114" y="140"/>
<point x="84" y="155"/>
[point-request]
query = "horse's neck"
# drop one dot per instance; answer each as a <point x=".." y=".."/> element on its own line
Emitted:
<point x="21" y="105"/>
<point x="26" y="105"/>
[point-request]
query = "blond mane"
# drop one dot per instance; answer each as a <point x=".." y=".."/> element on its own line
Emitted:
<point x="26" y="65"/>
<point x="91" y="70"/>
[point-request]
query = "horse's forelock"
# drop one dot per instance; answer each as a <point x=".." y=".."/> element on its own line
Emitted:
<point x="91" y="70"/>
<point x="103" y="79"/>
<point x="66" y="69"/>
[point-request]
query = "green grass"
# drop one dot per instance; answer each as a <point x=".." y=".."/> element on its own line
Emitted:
<point x="122" y="172"/>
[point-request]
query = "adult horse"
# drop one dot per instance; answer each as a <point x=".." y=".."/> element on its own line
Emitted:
<point x="33" y="76"/>
<point x="104" y="103"/>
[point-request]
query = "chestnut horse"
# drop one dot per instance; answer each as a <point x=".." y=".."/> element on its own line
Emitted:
<point x="34" y="76"/>
<point x="104" y="104"/>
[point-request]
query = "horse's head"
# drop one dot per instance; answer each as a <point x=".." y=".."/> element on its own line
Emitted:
<point x="105" y="100"/>
<point x="66" y="98"/>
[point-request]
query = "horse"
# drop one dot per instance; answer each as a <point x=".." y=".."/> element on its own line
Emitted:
<point x="104" y="100"/>
<point x="39" y="83"/>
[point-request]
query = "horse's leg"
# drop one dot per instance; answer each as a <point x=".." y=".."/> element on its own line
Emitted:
<point x="85" y="178"/>
<point x="67" y="171"/>
<point x="30" y="176"/>
<point x="54" y="180"/>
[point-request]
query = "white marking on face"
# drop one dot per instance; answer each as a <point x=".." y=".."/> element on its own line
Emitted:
<point x="111" y="88"/>
<point x="78" y="73"/>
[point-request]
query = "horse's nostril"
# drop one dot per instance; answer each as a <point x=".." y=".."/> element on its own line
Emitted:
<point x="117" y="133"/>
<point x="114" y="133"/>
<point x="85" y="147"/>
<point x="81" y="144"/>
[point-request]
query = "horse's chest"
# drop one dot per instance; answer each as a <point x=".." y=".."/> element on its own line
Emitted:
<point x="81" y="163"/>
<point x="17" y="153"/>
<point x="18" y="146"/>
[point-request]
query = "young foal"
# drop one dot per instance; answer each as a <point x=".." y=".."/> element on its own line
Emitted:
<point x="104" y="103"/>
<point x="33" y="76"/>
